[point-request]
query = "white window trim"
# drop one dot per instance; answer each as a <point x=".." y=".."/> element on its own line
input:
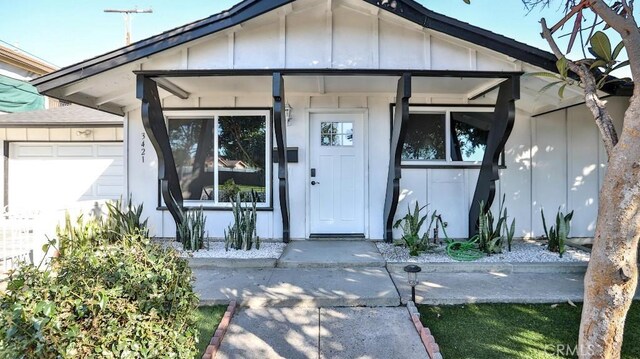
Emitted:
<point x="215" y="114"/>
<point x="447" y="111"/>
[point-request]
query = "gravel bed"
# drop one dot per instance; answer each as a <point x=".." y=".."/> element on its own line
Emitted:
<point x="523" y="251"/>
<point x="216" y="250"/>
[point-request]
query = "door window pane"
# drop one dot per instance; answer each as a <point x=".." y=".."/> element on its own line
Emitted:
<point x="425" y="137"/>
<point x="469" y="133"/>
<point x="336" y="134"/>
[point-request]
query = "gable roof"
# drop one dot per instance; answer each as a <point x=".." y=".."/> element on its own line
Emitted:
<point x="60" y="116"/>
<point x="249" y="9"/>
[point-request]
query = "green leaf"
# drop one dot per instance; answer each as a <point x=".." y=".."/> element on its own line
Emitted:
<point x="617" y="50"/>
<point x="563" y="67"/>
<point x="622" y="64"/>
<point x="549" y="85"/>
<point x="601" y="45"/>
<point x="561" y="90"/>
<point x="467" y="2"/>
<point x="598" y="63"/>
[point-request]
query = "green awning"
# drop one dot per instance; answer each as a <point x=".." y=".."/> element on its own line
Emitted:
<point x="18" y="96"/>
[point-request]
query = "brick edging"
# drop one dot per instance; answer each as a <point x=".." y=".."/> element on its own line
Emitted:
<point x="428" y="340"/>
<point x="214" y="344"/>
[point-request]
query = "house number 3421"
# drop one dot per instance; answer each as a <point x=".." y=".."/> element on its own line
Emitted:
<point x="143" y="150"/>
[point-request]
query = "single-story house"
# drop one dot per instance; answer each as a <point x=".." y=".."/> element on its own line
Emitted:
<point x="342" y="113"/>
<point x="67" y="157"/>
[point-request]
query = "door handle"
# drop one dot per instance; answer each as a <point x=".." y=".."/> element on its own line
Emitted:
<point x="313" y="183"/>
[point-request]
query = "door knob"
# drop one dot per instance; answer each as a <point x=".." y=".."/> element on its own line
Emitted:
<point x="313" y="183"/>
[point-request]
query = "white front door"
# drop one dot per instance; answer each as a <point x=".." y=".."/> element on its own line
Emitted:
<point x="337" y="181"/>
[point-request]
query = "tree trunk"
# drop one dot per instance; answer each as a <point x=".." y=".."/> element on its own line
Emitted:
<point x="612" y="276"/>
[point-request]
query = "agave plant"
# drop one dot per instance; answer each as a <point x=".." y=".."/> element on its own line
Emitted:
<point x="411" y="224"/>
<point x="558" y="235"/>
<point x="191" y="230"/>
<point x="241" y="234"/>
<point x="491" y="234"/>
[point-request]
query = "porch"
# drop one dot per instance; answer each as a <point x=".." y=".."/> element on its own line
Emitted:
<point x="337" y="180"/>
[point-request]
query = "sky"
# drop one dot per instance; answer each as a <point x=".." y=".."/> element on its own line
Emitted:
<point x="64" y="32"/>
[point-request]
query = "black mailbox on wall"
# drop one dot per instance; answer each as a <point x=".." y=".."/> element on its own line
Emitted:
<point x="292" y="155"/>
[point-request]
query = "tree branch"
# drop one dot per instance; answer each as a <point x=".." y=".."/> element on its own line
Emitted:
<point x="623" y="25"/>
<point x="597" y="107"/>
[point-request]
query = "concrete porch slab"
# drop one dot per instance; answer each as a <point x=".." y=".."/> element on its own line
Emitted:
<point x="296" y="287"/>
<point x="331" y="253"/>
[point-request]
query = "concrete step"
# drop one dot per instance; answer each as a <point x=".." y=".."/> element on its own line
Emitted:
<point x="331" y="254"/>
<point x="497" y="267"/>
<point x="296" y="287"/>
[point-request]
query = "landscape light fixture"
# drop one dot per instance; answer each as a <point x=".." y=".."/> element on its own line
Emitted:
<point x="412" y="277"/>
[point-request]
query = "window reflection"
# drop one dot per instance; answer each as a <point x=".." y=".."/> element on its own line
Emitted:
<point x="236" y="165"/>
<point x="425" y="137"/>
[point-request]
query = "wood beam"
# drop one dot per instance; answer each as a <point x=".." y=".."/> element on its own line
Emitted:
<point x="501" y="126"/>
<point x="172" y="88"/>
<point x="398" y="134"/>
<point x="154" y="126"/>
<point x="280" y="128"/>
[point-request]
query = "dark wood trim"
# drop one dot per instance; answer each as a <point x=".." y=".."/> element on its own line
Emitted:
<point x="329" y="72"/>
<point x="504" y="118"/>
<point x="156" y="129"/>
<point x="398" y="134"/>
<point x="280" y="129"/>
<point x="565" y="107"/>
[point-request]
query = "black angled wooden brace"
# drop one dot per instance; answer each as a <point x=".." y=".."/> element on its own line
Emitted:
<point x="156" y="129"/>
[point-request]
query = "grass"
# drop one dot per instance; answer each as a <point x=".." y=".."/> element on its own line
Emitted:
<point x="516" y="330"/>
<point x="207" y="322"/>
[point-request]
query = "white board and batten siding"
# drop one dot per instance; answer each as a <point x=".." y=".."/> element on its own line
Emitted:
<point x="552" y="160"/>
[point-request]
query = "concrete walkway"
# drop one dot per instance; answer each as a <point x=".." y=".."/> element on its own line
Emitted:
<point x="322" y="333"/>
<point x="297" y="287"/>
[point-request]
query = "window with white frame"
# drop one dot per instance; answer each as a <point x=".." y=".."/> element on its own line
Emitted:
<point x="446" y="135"/>
<point x="220" y="154"/>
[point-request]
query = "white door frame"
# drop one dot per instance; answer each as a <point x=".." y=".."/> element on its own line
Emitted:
<point x="365" y="126"/>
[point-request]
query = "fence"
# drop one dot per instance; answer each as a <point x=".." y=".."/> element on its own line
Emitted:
<point x="17" y="239"/>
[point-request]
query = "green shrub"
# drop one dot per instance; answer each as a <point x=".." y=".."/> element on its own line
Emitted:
<point x="558" y="235"/>
<point x="491" y="234"/>
<point x="129" y="299"/>
<point x="119" y="222"/>
<point x="411" y="225"/>
<point x="241" y="234"/>
<point x="191" y="231"/>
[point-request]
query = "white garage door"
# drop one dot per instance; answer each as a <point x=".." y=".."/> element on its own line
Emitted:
<point x="64" y="175"/>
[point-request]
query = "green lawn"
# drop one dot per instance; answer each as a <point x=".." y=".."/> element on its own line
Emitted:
<point x="516" y="330"/>
<point x="207" y="322"/>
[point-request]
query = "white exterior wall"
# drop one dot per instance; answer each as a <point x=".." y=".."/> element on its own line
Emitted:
<point x="551" y="161"/>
